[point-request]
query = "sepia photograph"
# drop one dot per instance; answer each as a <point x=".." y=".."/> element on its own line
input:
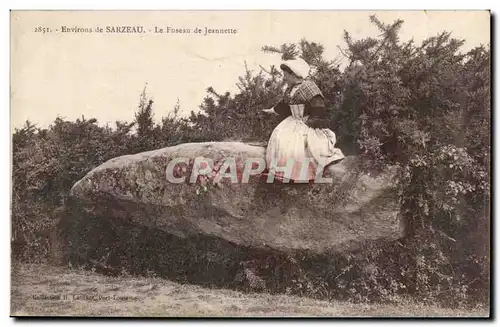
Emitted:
<point x="250" y="163"/>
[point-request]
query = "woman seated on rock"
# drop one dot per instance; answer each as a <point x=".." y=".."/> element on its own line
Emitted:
<point x="304" y="135"/>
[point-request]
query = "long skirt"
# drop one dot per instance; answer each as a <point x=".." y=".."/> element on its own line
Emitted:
<point x="298" y="152"/>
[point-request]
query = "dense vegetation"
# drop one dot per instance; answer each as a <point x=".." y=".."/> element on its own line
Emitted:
<point x="425" y="107"/>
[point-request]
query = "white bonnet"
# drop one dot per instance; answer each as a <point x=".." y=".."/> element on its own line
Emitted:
<point x="298" y="66"/>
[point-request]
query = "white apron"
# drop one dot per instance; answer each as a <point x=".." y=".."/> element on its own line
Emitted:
<point x="300" y="148"/>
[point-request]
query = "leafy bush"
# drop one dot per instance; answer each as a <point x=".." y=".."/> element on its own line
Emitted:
<point x="427" y="108"/>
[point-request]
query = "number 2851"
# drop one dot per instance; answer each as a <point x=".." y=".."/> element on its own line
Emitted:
<point x="43" y="30"/>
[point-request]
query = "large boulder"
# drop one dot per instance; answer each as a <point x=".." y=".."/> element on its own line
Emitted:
<point x="344" y="214"/>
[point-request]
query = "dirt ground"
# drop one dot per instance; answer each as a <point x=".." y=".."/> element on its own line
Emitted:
<point x="41" y="290"/>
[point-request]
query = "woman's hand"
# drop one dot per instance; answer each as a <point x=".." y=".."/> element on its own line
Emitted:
<point x="269" y="111"/>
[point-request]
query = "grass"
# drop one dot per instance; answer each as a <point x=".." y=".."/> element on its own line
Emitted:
<point x="91" y="294"/>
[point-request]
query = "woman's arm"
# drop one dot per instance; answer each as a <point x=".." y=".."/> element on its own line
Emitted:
<point x="282" y="109"/>
<point x="316" y="111"/>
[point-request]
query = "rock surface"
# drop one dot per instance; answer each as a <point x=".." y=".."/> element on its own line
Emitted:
<point x="337" y="216"/>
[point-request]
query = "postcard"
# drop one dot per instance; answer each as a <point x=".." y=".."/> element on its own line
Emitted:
<point x="250" y="163"/>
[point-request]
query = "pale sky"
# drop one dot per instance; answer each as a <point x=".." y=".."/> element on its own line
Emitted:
<point x="102" y="75"/>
